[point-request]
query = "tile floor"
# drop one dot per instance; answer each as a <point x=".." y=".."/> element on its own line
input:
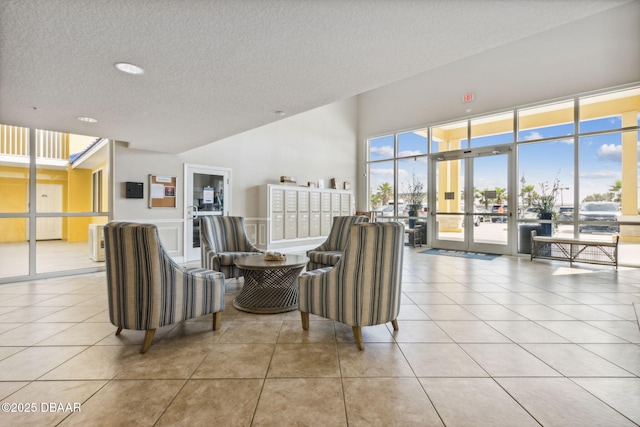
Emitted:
<point x="481" y="343"/>
<point x="51" y="256"/>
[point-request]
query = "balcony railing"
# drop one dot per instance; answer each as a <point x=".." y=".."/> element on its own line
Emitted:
<point x="14" y="141"/>
<point x="51" y="145"/>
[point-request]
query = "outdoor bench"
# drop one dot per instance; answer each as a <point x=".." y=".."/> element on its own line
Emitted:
<point x="574" y="250"/>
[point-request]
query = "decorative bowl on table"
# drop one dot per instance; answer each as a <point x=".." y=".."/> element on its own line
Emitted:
<point x="274" y="256"/>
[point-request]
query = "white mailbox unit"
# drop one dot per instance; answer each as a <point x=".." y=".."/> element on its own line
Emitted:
<point x="299" y="218"/>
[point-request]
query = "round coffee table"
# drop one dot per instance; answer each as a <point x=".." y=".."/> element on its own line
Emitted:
<point x="269" y="286"/>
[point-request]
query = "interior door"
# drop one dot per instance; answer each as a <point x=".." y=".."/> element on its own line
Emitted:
<point x="48" y="199"/>
<point x="471" y="198"/>
<point x="207" y="192"/>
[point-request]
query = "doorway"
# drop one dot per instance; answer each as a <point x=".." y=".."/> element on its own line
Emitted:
<point x="471" y="193"/>
<point x="48" y="200"/>
<point x="207" y="192"/>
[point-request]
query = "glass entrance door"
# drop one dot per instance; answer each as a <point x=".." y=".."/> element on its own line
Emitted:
<point x="207" y="193"/>
<point x="471" y="198"/>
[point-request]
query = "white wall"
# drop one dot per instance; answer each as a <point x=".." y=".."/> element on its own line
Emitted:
<point x="319" y="144"/>
<point x="591" y="54"/>
<point x="135" y="166"/>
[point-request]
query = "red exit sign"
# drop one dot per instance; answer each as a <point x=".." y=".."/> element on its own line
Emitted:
<point x="468" y="97"/>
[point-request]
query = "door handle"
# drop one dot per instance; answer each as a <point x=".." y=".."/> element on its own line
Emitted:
<point x="194" y="212"/>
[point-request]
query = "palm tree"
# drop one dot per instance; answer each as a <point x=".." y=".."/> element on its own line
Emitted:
<point x="376" y="201"/>
<point x="597" y="197"/>
<point x="501" y="195"/>
<point x="616" y="189"/>
<point x="527" y="193"/>
<point x="480" y="196"/>
<point x="385" y="191"/>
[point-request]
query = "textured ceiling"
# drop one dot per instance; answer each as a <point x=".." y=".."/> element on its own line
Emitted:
<point x="218" y="68"/>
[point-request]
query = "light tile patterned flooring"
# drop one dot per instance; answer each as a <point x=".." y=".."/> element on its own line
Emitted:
<point x="495" y="343"/>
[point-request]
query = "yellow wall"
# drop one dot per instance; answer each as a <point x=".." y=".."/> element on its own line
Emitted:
<point x="78" y="143"/>
<point x="76" y="193"/>
<point x="14" y="199"/>
<point x="78" y="200"/>
<point x="81" y="200"/>
<point x="491" y="128"/>
<point x="14" y="196"/>
<point x="14" y="183"/>
<point x="13" y="189"/>
<point x="609" y="108"/>
<point x="546" y="118"/>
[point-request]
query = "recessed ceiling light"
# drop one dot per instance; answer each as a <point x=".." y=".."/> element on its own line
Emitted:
<point x="280" y="113"/>
<point x="129" y="68"/>
<point x="87" y="119"/>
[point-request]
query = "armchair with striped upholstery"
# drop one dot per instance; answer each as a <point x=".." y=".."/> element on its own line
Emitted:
<point x="328" y="253"/>
<point x="147" y="289"/>
<point x="364" y="287"/>
<point x="222" y="240"/>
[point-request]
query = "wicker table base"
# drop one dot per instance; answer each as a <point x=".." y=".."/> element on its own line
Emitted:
<point x="269" y="286"/>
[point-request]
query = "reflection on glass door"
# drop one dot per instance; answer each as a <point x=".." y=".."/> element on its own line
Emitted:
<point x="471" y="196"/>
<point x="207" y="193"/>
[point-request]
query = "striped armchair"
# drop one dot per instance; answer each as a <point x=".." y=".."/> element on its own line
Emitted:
<point x="147" y="289"/>
<point x="328" y="253"/>
<point x="364" y="287"/>
<point x="222" y="240"/>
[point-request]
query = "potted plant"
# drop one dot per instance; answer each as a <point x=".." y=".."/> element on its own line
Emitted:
<point x="544" y="202"/>
<point x="415" y="198"/>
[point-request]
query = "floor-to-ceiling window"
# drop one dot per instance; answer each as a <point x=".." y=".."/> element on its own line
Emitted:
<point x="53" y="198"/>
<point x="397" y="171"/>
<point x="569" y="165"/>
<point x="546" y="170"/>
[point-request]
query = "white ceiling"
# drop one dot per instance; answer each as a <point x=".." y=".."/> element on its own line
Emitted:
<point x="218" y="68"/>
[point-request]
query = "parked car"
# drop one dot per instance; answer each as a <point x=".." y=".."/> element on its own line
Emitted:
<point x="480" y="216"/>
<point x="531" y="213"/>
<point x="385" y="210"/>
<point x="405" y="211"/>
<point x="599" y="211"/>
<point x="499" y="209"/>
<point x="565" y="213"/>
<point x="477" y="219"/>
